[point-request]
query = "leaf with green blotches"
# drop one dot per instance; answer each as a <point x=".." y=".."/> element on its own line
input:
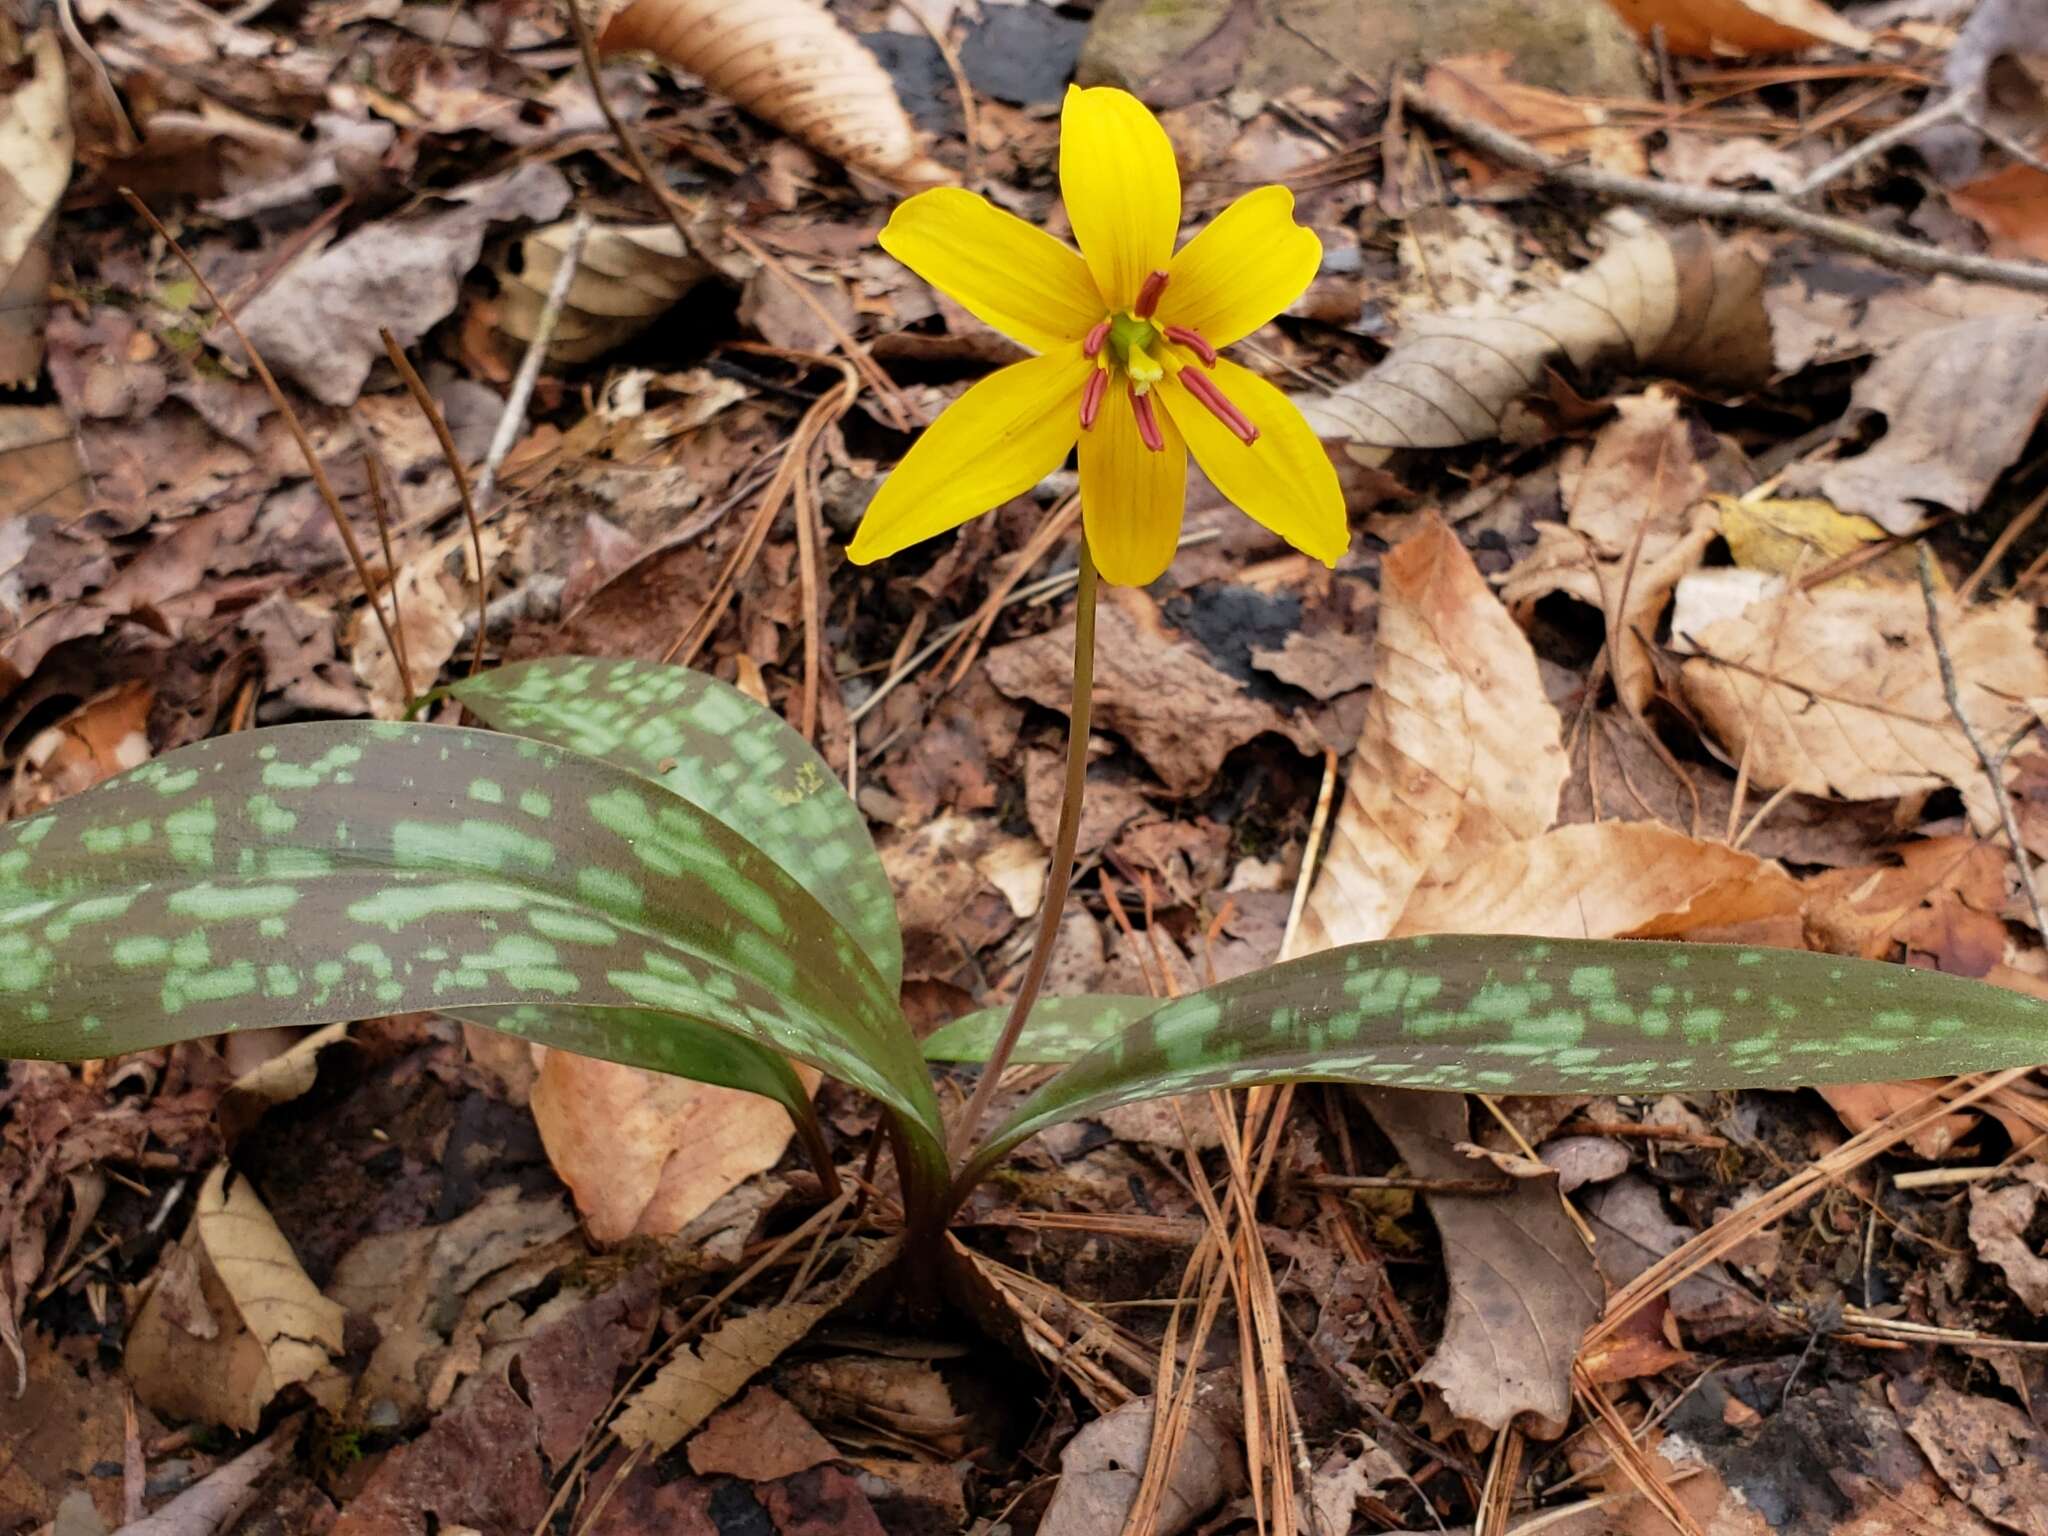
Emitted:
<point x="313" y="873"/>
<point x="1491" y="1014"/>
<point x="1060" y="1029"/>
<point x="720" y="751"/>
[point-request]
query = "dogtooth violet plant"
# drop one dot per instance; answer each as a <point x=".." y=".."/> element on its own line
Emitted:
<point x="642" y="864"/>
<point x="639" y="863"/>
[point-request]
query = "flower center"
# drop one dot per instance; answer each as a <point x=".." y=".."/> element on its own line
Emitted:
<point x="1133" y="347"/>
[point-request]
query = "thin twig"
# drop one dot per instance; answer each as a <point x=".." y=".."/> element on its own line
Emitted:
<point x="1344" y="1182"/>
<point x="382" y="510"/>
<point x="1942" y="111"/>
<point x="1762" y="208"/>
<point x="1993" y="765"/>
<point x="293" y="425"/>
<point x="446" y="439"/>
<point x="970" y="116"/>
<point x="514" y="415"/>
<point x="2008" y="536"/>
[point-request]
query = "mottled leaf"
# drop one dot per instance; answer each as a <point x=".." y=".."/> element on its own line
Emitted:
<point x="720" y="751"/>
<point x="1060" y="1030"/>
<point x="1489" y="1014"/>
<point x="313" y="873"/>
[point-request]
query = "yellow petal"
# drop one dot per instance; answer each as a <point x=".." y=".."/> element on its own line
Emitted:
<point x="1284" y="480"/>
<point x="1131" y="497"/>
<point x="1121" y="187"/>
<point x="996" y="441"/>
<point x="1003" y="271"/>
<point x="1249" y="264"/>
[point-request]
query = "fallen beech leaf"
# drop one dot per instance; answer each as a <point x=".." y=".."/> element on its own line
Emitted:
<point x="790" y="62"/>
<point x="1706" y="29"/>
<point x="646" y="1154"/>
<point x="1999" y="1221"/>
<point x="1460" y="750"/>
<point x="700" y="1378"/>
<point x="1636" y="527"/>
<point x="1862" y="1105"/>
<point x="1102" y="1466"/>
<point x="232" y="1320"/>
<point x="1991" y="1455"/>
<point x="41" y="468"/>
<point x="106" y="735"/>
<point x="318" y="322"/>
<point x="1680" y="302"/>
<point x="1153" y="685"/>
<point x="1941" y="899"/>
<point x="1602" y="880"/>
<point x="1522" y="1287"/>
<point x="627" y="276"/>
<point x="1477" y="85"/>
<point x="1958" y="404"/>
<point x="1837" y="692"/>
<point x="35" y="167"/>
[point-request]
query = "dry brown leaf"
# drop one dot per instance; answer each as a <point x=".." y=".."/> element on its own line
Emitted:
<point x="232" y="1319"/>
<point x="1940" y="900"/>
<point x="1460" y="750"/>
<point x="1522" y="1287"/>
<point x="700" y="1378"/>
<point x="790" y="62"/>
<point x="1786" y="537"/>
<point x="1637" y="525"/>
<point x="35" y="167"/>
<point x="759" y="1438"/>
<point x="41" y="469"/>
<point x="1604" y="880"/>
<point x="1681" y="302"/>
<point x="1153" y="685"/>
<point x="1477" y="86"/>
<point x="1102" y="1466"/>
<point x="1862" y="1105"/>
<point x="318" y="321"/>
<point x="628" y="275"/>
<point x="644" y="1153"/>
<point x="1991" y="1455"/>
<point x="1958" y="403"/>
<point x="1837" y="692"/>
<point x="2011" y="207"/>
<point x="2000" y="1219"/>
<point x="1706" y="29"/>
<point x="435" y="594"/>
<point x="106" y="735"/>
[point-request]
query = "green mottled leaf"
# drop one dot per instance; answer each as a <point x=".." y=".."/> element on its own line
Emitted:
<point x="314" y="873"/>
<point x="720" y="751"/>
<point x="1060" y="1029"/>
<point x="1502" y="1014"/>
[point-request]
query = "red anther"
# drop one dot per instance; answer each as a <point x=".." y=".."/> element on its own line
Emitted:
<point x="1148" y="295"/>
<point x="1194" y="341"/>
<point x="1091" y="397"/>
<point x="1148" y="424"/>
<point x="1098" y="335"/>
<point x="1204" y="389"/>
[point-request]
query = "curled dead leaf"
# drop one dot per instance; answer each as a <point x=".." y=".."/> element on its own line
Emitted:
<point x="790" y="62"/>
<point x="35" y="167"/>
<point x="1707" y="29"/>
<point x="1102" y="1466"/>
<point x="627" y="275"/>
<point x="1676" y="301"/>
<point x="232" y="1319"/>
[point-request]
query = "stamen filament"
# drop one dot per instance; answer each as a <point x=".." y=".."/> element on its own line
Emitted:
<point x="1091" y="397"/>
<point x="1091" y="345"/>
<point x="1148" y="424"/>
<point x="1148" y="295"/>
<point x="1220" y="405"/>
<point x="1194" y="341"/>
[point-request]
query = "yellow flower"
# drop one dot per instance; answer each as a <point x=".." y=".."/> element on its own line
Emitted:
<point x="1127" y="334"/>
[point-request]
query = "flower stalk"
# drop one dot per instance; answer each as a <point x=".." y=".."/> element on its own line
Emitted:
<point x="1059" y="874"/>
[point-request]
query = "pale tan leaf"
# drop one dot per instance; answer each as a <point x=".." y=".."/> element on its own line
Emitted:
<point x="627" y="275"/>
<point x="41" y="468"/>
<point x="1837" y="692"/>
<point x="1958" y="404"/>
<point x="790" y="62"/>
<point x="1637" y="526"/>
<point x="1603" y="880"/>
<point x="35" y="167"/>
<point x="1477" y="85"/>
<point x="646" y="1154"/>
<point x="1460" y="750"/>
<point x="1102" y="1467"/>
<point x="278" y="1080"/>
<point x="1706" y="29"/>
<point x="233" y="1319"/>
<point x="700" y="1378"/>
<point x="1682" y="302"/>
<point x="434" y="595"/>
